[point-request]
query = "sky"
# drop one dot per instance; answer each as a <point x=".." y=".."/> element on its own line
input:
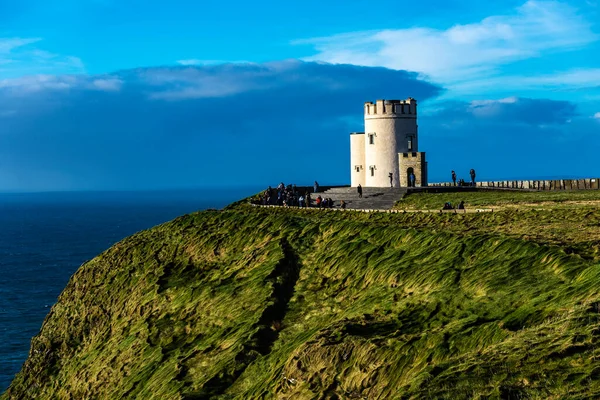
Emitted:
<point x="132" y="94"/>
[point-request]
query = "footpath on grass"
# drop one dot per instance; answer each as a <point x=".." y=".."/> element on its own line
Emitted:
<point x="345" y="197"/>
<point x="389" y="211"/>
<point x="432" y="200"/>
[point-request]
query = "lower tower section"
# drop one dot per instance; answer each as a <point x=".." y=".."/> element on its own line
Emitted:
<point x="357" y="159"/>
<point x="412" y="164"/>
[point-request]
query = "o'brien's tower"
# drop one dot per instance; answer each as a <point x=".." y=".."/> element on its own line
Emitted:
<point x="389" y="144"/>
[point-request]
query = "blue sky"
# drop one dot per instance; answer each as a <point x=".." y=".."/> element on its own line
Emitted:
<point x="131" y="94"/>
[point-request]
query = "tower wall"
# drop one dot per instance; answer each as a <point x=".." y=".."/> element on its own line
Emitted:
<point x="357" y="159"/>
<point x="389" y="127"/>
<point x="416" y="162"/>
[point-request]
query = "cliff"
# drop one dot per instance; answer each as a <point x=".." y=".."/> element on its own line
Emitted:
<point x="269" y="303"/>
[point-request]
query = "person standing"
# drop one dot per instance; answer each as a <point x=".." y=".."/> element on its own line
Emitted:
<point x="316" y="187"/>
<point x="359" y="190"/>
<point x="472" y="173"/>
<point x="412" y="179"/>
<point x="454" y="178"/>
<point x="391" y="175"/>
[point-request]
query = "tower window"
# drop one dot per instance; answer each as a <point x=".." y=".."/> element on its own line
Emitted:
<point x="372" y="168"/>
<point x="410" y="143"/>
<point x="358" y="168"/>
<point x="371" y="138"/>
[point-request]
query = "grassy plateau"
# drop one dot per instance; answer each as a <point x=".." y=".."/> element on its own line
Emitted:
<point x="253" y="303"/>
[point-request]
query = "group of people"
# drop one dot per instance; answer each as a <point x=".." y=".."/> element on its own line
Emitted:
<point x="461" y="182"/>
<point x="285" y="196"/>
<point x="448" y="206"/>
<point x="324" y="202"/>
<point x="291" y="196"/>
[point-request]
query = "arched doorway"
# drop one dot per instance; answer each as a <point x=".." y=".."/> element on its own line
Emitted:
<point x="409" y="172"/>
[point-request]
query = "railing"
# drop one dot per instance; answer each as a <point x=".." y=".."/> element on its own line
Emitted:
<point x="558" y="184"/>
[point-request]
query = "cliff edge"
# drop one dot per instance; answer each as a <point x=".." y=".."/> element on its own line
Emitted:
<point x="251" y="303"/>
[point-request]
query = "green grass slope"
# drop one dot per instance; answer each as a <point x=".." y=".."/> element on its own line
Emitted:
<point x="253" y="303"/>
<point x="502" y="199"/>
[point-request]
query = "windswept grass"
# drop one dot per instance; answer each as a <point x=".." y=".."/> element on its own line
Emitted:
<point x="254" y="303"/>
<point x="502" y="199"/>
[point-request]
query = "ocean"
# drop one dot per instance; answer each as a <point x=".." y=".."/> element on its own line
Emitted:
<point x="45" y="237"/>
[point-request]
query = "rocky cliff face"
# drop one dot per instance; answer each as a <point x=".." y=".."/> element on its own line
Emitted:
<point x="262" y="303"/>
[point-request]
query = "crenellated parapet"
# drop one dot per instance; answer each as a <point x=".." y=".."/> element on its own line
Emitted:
<point x="391" y="108"/>
<point x="414" y="156"/>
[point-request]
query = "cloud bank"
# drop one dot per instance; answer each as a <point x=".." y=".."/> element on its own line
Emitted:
<point x="508" y="111"/>
<point x="465" y="53"/>
<point x="256" y="124"/>
<point x="230" y="124"/>
<point x="511" y="138"/>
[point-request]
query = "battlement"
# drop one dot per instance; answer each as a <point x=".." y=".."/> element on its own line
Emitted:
<point x="397" y="108"/>
<point x="414" y="156"/>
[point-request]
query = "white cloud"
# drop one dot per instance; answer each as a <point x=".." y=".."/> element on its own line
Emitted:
<point x="8" y="44"/>
<point x="198" y="62"/>
<point x="597" y="115"/>
<point x="195" y="61"/>
<point x="574" y="79"/>
<point x="213" y="80"/>
<point x="463" y="51"/>
<point x="107" y="85"/>
<point x="35" y="83"/>
<point x="18" y="58"/>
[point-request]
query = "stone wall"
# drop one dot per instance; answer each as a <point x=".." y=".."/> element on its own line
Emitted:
<point x="559" y="184"/>
<point x="417" y="162"/>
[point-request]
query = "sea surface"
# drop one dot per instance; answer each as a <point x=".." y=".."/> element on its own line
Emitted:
<point x="45" y="237"/>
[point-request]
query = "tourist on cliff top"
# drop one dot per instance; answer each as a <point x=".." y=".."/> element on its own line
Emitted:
<point x="391" y="175"/>
<point x="412" y="179"/>
<point x="472" y="173"/>
<point x="318" y="201"/>
<point x="343" y="205"/>
<point x="316" y="187"/>
<point x="448" y="206"/>
<point x="461" y="205"/>
<point x="359" y="190"/>
<point x="454" y="177"/>
<point x="308" y="199"/>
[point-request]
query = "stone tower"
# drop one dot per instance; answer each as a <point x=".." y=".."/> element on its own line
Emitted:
<point x="390" y="128"/>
